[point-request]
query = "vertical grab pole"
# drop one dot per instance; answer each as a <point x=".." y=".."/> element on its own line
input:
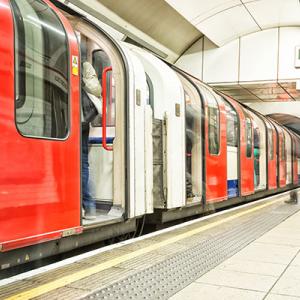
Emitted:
<point x="104" y="95"/>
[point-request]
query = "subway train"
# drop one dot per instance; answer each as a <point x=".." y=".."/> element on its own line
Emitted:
<point x="166" y="146"/>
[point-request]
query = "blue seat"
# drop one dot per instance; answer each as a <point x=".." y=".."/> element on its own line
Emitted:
<point x="98" y="140"/>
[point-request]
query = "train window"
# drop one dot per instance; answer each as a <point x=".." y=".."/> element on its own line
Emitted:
<point x="213" y="126"/>
<point x="248" y="137"/>
<point x="150" y="92"/>
<point x="100" y="62"/>
<point x="270" y="144"/>
<point x="283" y="148"/>
<point x="41" y="75"/>
<point x="232" y="126"/>
<point x="256" y="138"/>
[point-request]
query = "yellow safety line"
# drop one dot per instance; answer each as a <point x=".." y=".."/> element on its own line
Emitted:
<point x="63" y="281"/>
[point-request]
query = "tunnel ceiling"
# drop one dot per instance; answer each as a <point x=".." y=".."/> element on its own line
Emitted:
<point x="261" y="92"/>
<point x="225" y="20"/>
<point x="157" y="19"/>
<point x="288" y="121"/>
<point x="177" y="24"/>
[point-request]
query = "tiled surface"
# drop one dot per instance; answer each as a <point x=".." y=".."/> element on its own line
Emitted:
<point x="239" y="280"/>
<point x="280" y="297"/>
<point x="289" y="283"/>
<point x="196" y="291"/>
<point x="268" y="268"/>
<point x="252" y="267"/>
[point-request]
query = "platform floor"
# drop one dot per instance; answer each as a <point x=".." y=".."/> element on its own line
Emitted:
<point x="251" y="252"/>
<point x="268" y="268"/>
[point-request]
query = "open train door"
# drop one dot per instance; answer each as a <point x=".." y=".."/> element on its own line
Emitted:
<point x="139" y="139"/>
<point x="120" y="137"/>
<point x="167" y="101"/>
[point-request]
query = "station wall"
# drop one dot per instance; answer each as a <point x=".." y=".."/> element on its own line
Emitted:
<point x="267" y="55"/>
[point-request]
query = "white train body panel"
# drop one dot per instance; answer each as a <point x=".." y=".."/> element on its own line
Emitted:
<point x="137" y="137"/>
<point x="232" y="169"/>
<point x="169" y="107"/>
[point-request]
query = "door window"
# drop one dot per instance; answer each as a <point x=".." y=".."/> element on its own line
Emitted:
<point x="232" y="126"/>
<point x="213" y="126"/>
<point x="270" y="144"/>
<point x="100" y="62"/>
<point x="283" y="156"/>
<point x="248" y="137"/>
<point x="41" y="71"/>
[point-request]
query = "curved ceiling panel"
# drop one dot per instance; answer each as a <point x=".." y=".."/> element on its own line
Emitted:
<point x="275" y="13"/>
<point x="158" y="20"/>
<point x="287" y="120"/>
<point x="225" y="20"/>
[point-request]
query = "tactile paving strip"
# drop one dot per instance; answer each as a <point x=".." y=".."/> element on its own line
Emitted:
<point x="166" y="278"/>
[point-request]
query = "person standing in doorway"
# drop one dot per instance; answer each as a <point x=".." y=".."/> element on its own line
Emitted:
<point x="91" y="106"/>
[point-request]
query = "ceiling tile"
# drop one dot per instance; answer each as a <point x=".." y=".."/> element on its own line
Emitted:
<point x="197" y="10"/>
<point x="273" y="13"/>
<point x="228" y="25"/>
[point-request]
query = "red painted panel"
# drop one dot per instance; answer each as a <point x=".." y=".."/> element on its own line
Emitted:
<point x="216" y="165"/>
<point x="272" y="164"/>
<point x="246" y="164"/>
<point x="39" y="179"/>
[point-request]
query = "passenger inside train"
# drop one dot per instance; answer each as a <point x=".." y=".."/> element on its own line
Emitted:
<point x="91" y="106"/>
<point x="94" y="59"/>
<point x="96" y="199"/>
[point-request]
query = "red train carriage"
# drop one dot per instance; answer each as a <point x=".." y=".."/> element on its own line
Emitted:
<point x="40" y="182"/>
<point x="163" y="134"/>
<point x="39" y="199"/>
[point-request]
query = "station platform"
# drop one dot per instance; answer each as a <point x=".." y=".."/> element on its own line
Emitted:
<point x="248" y="252"/>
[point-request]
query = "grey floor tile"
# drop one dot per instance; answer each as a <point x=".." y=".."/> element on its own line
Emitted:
<point x="254" y="267"/>
<point x="196" y="291"/>
<point x="289" y="239"/>
<point x="272" y="253"/>
<point x="280" y="297"/>
<point x="240" y="280"/>
<point x="289" y="283"/>
<point x="296" y="261"/>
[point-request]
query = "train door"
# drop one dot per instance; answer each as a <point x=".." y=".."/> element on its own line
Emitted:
<point x="249" y="154"/>
<point x="167" y="100"/>
<point x="215" y="146"/>
<point x="40" y="158"/>
<point x="272" y="156"/>
<point x="246" y="160"/>
<point x="260" y="159"/>
<point x="232" y="151"/>
<point x="281" y="154"/>
<point x="193" y="143"/>
<point x="298" y="159"/>
<point x="288" y="145"/>
<point x="117" y="156"/>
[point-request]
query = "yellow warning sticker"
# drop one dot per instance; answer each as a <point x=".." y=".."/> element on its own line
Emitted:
<point x="75" y="65"/>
